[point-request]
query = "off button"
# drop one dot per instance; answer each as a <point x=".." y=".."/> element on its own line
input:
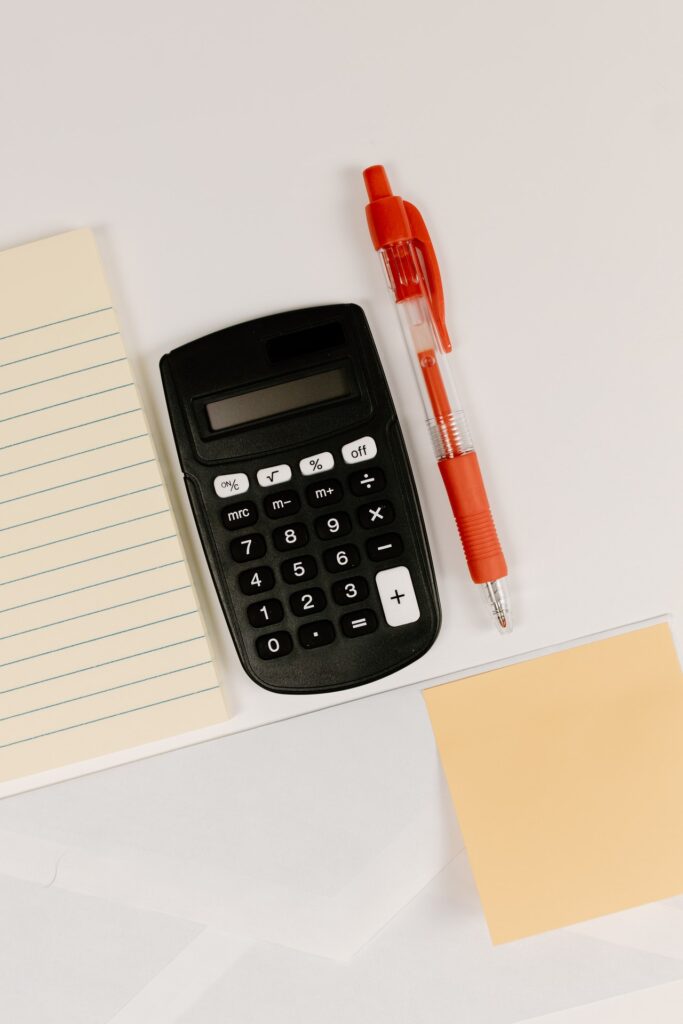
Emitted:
<point x="359" y="451"/>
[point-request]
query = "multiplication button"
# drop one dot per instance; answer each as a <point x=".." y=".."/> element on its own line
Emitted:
<point x="378" y="513"/>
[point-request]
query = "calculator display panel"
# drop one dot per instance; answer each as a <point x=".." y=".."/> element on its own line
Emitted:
<point x="289" y="396"/>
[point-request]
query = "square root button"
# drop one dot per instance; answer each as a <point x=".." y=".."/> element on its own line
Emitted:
<point x="397" y="595"/>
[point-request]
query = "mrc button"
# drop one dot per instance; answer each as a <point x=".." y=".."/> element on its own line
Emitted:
<point x="359" y="451"/>
<point x="239" y="515"/>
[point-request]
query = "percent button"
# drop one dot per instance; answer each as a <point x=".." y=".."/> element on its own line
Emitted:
<point x="319" y="463"/>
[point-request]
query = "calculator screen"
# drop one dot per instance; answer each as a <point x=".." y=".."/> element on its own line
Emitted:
<point x="261" y="403"/>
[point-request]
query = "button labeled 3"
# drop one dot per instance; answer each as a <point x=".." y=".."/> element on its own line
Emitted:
<point x="397" y="595"/>
<point x="359" y="451"/>
<point x="271" y="475"/>
<point x="319" y="463"/>
<point x="230" y="484"/>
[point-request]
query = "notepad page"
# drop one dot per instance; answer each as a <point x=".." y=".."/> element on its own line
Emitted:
<point x="102" y="647"/>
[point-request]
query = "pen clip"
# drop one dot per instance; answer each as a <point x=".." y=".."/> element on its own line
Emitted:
<point x="423" y="243"/>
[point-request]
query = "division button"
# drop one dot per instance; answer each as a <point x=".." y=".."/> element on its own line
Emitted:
<point x="380" y="549"/>
<point x="269" y="476"/>
<point x="274" y="645"/>
<point x="397" y="595"/>
<point x="237" y="516"/>
<point x="367" y="481"/>
<point x="377" y="513"/>
<point x="359" y="623"/>
<point x="327" y="493"/>
<point x="281" y="504"/>
<point x="231" y="484"/>
<point x="359" y="451"/>
<point x="320" y="463"/>
<point x="316" y="634"/>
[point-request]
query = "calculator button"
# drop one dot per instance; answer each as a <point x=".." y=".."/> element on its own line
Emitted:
<point x="294" y="536"/>
<point x="265" y="613"/>
<point x="299" y="570"/>
<point x="350" y="591"/>
<point x="346" y="556"/>
<point x="359" y="451"/>
<point x="389" y="545"/>
<point x="327" y="493"/>
<point x="397" y="594"/>
<point x="305" y="602"/>
<point x="367" y="481"/>
<point x="334" y="524"/>
<point x="274" y="645"/>
<point x="237" y="516"/>
<point x="316" y="634"/>
<point x="378" y="513"/>
<point x="284" y="503"/>
<point x="255" y="581"/>
<point x="269" y="476"/>
<point x="359" y="623"/>
<point x="231" y="484"/>
<point x="246" y="549"/>
<point x="319" y="463"/>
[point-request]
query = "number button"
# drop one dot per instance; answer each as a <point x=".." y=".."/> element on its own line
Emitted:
<point x="381" y="513"/>
<point x="359" y="623"/>
<point x="275" y="645"/>
<point x="389" y="545"/>
<point x="246" y="549"/>
<point x="305" y="602"/>
<point x="349" y="591"/>
<point x="327" y="493"/>
<point x="367" y="481"/>
<point x="255" y="581"/>
<point x="299" y="570"/>
<point x="316" y="634"/>
<point x="337" y="524"/>
<point x="237" y="516"/>
<point x="265" y="613"/>
<point x="347" y="556"/>
<point x="294" y="536"/>
<point x="284" y="503"/>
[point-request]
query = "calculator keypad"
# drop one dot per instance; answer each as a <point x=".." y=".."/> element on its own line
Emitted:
<point x="356" y="601"/>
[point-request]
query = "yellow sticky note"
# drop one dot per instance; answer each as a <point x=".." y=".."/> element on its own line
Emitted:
<point x="567" y="777"/>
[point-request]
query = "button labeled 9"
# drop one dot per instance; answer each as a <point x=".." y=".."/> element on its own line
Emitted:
<point x="336" y="524"/>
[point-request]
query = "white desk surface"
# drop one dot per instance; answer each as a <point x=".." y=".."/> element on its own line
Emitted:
<point x="217" y="148"/>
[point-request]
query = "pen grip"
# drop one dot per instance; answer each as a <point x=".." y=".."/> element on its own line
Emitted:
<point x="467" y="494"/>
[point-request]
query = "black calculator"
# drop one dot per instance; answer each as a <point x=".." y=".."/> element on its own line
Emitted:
<point x="304" y="499"/>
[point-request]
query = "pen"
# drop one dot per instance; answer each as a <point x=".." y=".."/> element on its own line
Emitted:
<point x="400" y="235"/>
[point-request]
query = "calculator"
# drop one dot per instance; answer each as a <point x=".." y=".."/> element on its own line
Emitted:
<point x="304" y="499"/>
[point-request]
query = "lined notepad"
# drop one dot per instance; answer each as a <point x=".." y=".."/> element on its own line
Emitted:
<point x="102" y="647"/>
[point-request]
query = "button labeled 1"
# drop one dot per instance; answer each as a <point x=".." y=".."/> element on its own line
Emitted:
<point x="359" y="451"/>
<point x="230" y="484"/>
<point x="319" y="463"/>
<point x="397" y="595"/>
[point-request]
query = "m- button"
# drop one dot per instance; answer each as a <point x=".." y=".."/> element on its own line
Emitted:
<point x="359" y="451"/>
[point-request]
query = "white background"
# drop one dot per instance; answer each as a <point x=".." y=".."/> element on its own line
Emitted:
<point x="217" y="149"/>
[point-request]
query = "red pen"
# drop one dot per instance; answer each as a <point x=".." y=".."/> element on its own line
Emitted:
<point x="399" y="234"/>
